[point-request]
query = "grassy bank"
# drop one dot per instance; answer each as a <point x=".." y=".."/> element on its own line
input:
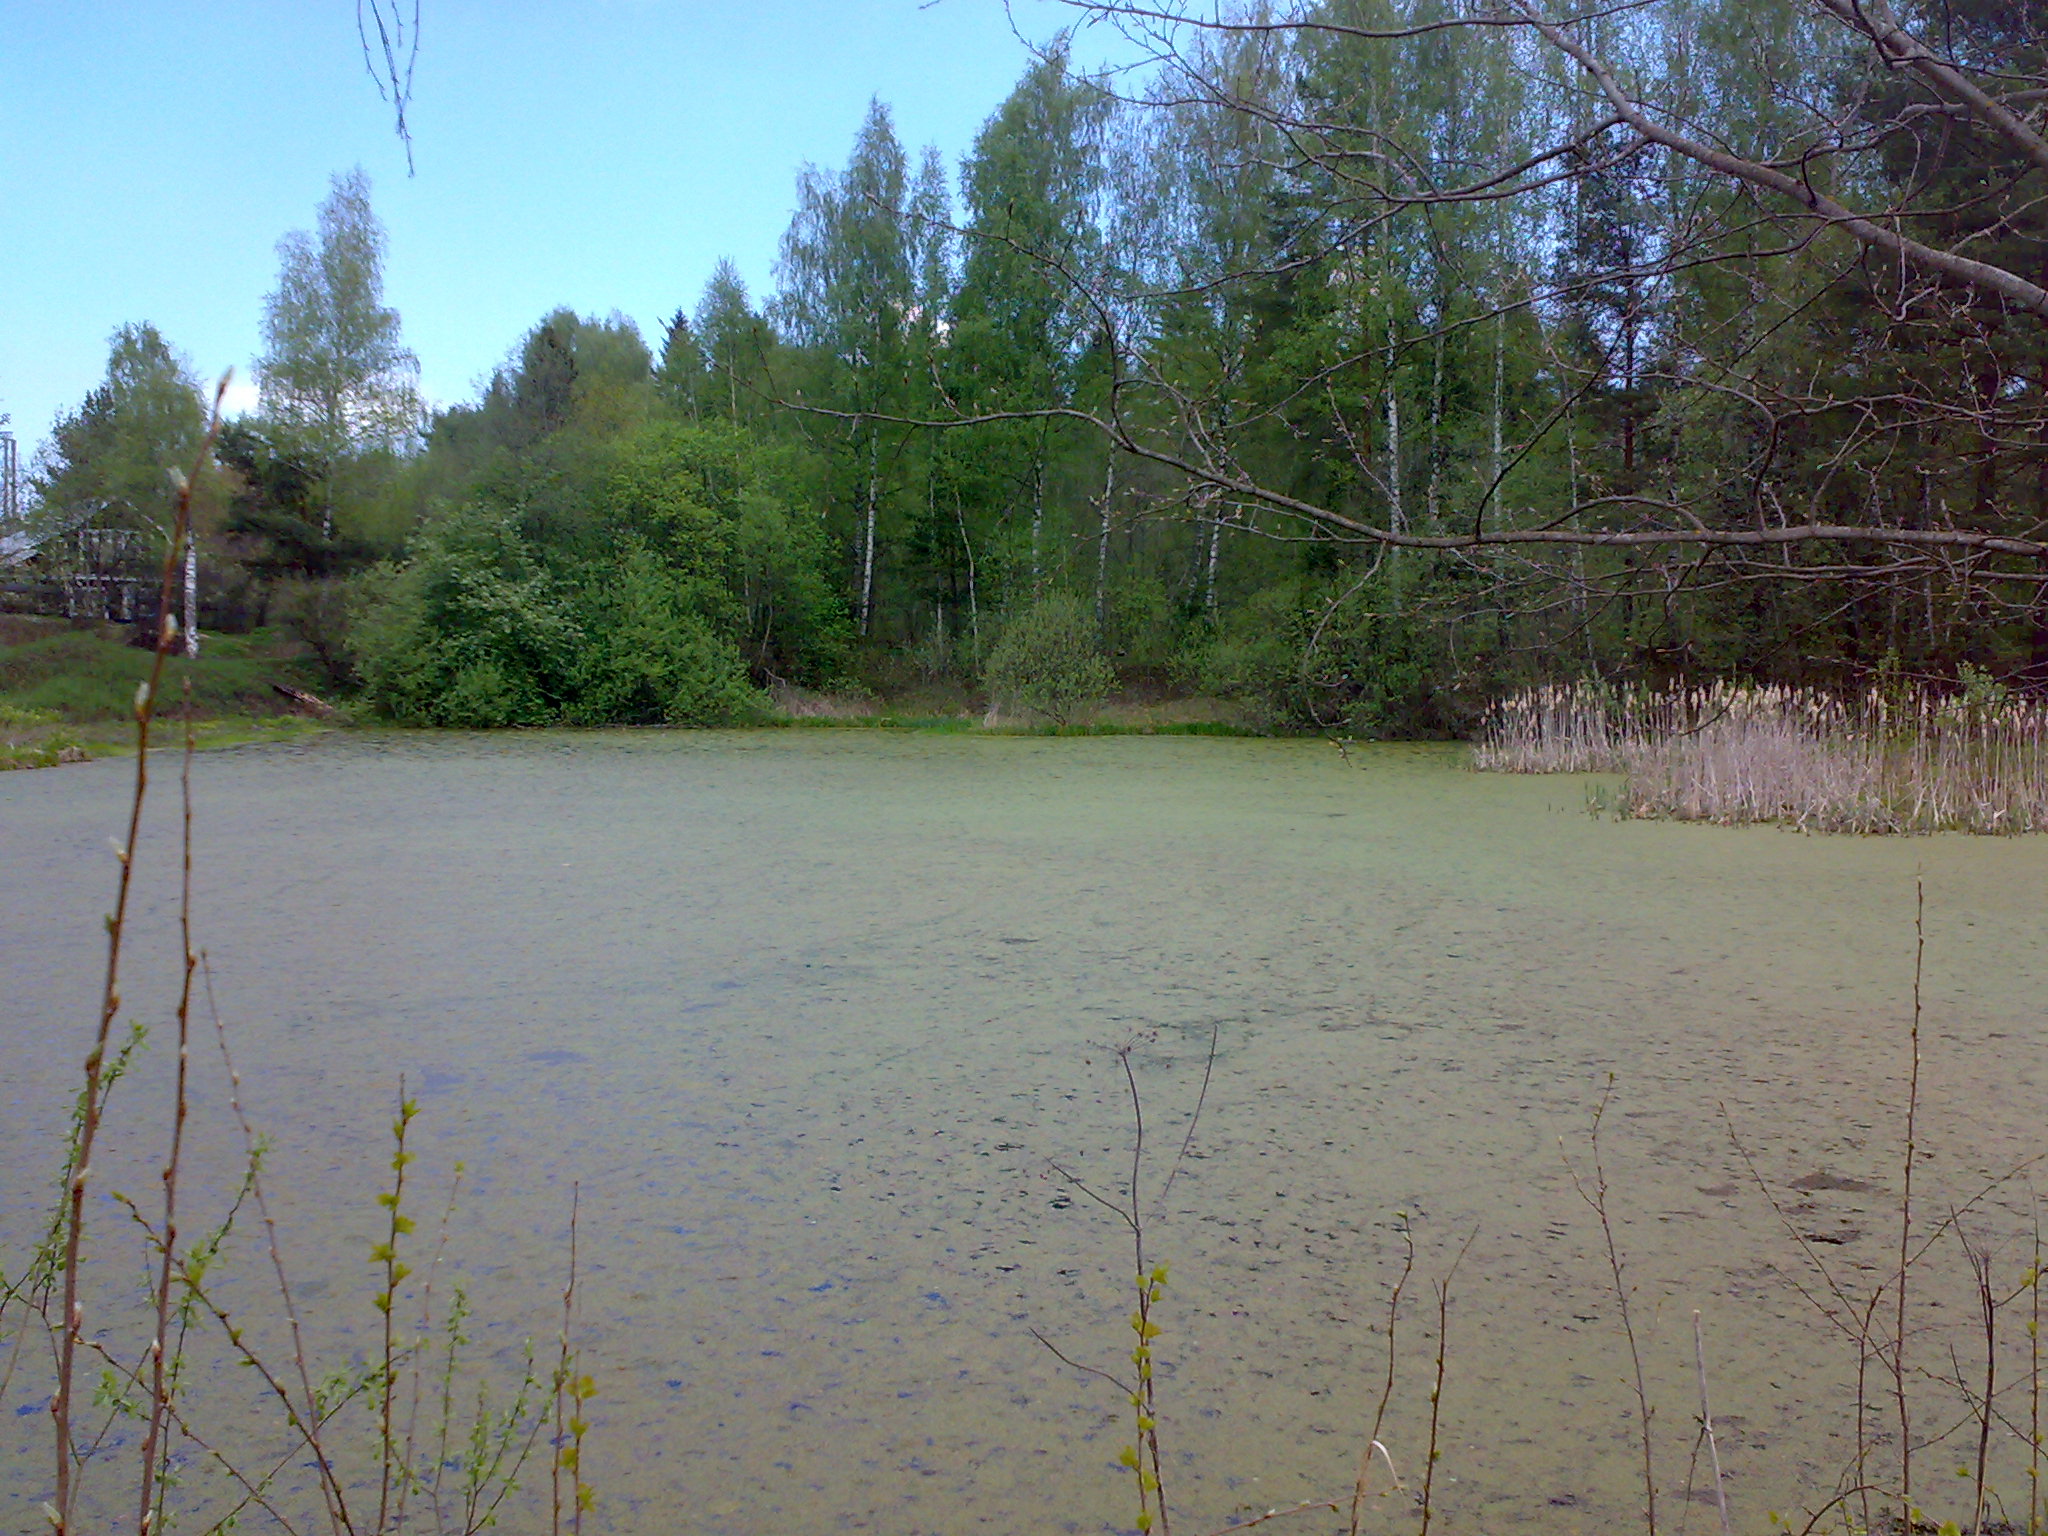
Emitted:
<point x="887" y="719"/>
<point x="939" y="707"/>
<point x="67" y="694"/>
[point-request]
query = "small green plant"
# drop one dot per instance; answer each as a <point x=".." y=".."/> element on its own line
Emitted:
<point x="1048" y="661"/>
<point x="15" y="716"/>
<point x="1142" y="1455"/>
<point x="32" y="739"/>
<point x="1983" y="695"/>
<point x="52" y="749"/>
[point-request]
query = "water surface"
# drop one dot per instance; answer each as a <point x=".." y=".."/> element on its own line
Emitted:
<point x="810" y="1015"/>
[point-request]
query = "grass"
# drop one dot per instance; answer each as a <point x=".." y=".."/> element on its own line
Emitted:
<point x="32" y="738"/>
<point x="959" y="725"/>
<point x="68" y="695"/>
<point x="950" y="724"/>
<point x="82" y="677"/>
<point x="950" y="706"/>
<point x="1900" y="760"/>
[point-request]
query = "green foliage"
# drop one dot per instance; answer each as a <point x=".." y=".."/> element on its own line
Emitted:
<point x="628" y="578"/>
<point x="333" y="374"/>
<point x="1048" y="662"/>
<point x="13" y="716"/>
<point x="108" y="463"/>
<point x="736" y="344"/>
<point x="316" y="615"/>
<point x="289" y="513"/>
<point x="682" y="377"/>
<point x="652" y="658"/>
<point x="1146" y="629"/>
<point x="470" y="633"/>
<point x="1563" y="355"/>
<point x="724" y="514"/>
<point x="1344" y="659"/>
<point x="1255" y="659"/>
<point x="82" y="678"/>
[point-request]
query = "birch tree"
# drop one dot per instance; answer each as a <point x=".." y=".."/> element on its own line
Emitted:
<point x="1020" y="317"/>
<point x="334" y="373"/>
<point x="848" y="291"/>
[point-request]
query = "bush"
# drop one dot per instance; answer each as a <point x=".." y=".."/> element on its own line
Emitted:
<point x="474" y="634"/>
<point x="651" y="656"/>
<point x="316" y="614"/>
<point x="1147" y="627"/>
<point x="1048" y="661"/>
<point x="1323" y="658"/>
<point x="470" y="633"/>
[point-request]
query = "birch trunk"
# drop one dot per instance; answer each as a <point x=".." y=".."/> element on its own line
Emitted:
<point x="1215" y="555"/>
<point x="1499" y="372"/>
<point x="1102" y="546"/>
<point x="191" y="598"/>
<point x="973" y="602"/>
<point x="1397" y="517"/>
<point x="1037" y="524"/>
<point x="1436" y="428"/>
<point x="867" y="551"/>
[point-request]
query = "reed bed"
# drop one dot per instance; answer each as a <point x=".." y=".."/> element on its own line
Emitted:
<point x="1887" y="760"/>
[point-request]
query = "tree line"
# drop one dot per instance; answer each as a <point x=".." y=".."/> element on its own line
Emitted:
<point x="1357" y="363"/>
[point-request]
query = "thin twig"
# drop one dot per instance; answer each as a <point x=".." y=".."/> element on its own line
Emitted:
<point x="159" y="1384"/>
<point x="1901" y="1276"/>
<point x="1596" y="1198"/>
<point x="91" y="1103"/>
<point x="1436" y="1389"/>
<point x="1379" y="1417"/>
<point x="1699" y="1355"/>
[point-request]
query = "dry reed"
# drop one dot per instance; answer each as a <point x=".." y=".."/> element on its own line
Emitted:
<point x="1888" y="760"/>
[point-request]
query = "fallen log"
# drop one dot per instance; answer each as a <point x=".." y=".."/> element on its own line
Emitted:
<point x="303" y="699"/>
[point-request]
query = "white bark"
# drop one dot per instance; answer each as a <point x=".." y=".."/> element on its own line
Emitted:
<point x="1215" y="555"/>
<point x="1397" y="518"/>
<point x="973" y="602"/>
<point x="1102" y="545"/>
<point x="1037" y="525"/>
<point x="1436" y="427"/>
<point x="867" y="543"/>
<point x="191" y="598"/>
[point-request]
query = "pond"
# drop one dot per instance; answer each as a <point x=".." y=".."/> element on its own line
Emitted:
<point x="809" y="1018"/>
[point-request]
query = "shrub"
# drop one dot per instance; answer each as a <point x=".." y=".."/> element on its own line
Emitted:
<point x="1146" y="627"/>
<point x="470" y="633"/>
<point x="316" y="614"/>
<point x="1048" y="661"/>
<point x="653" y="658"/>
<point x="1323" y="660"/>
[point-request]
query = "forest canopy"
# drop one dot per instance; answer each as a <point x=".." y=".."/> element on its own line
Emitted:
<point x="1357" y="362"/>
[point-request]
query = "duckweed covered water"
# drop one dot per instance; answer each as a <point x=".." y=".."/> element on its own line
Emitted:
<point x="810" y="1015"/>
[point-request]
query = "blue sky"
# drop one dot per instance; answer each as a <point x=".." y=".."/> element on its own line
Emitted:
<point x="597" y="153"/>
